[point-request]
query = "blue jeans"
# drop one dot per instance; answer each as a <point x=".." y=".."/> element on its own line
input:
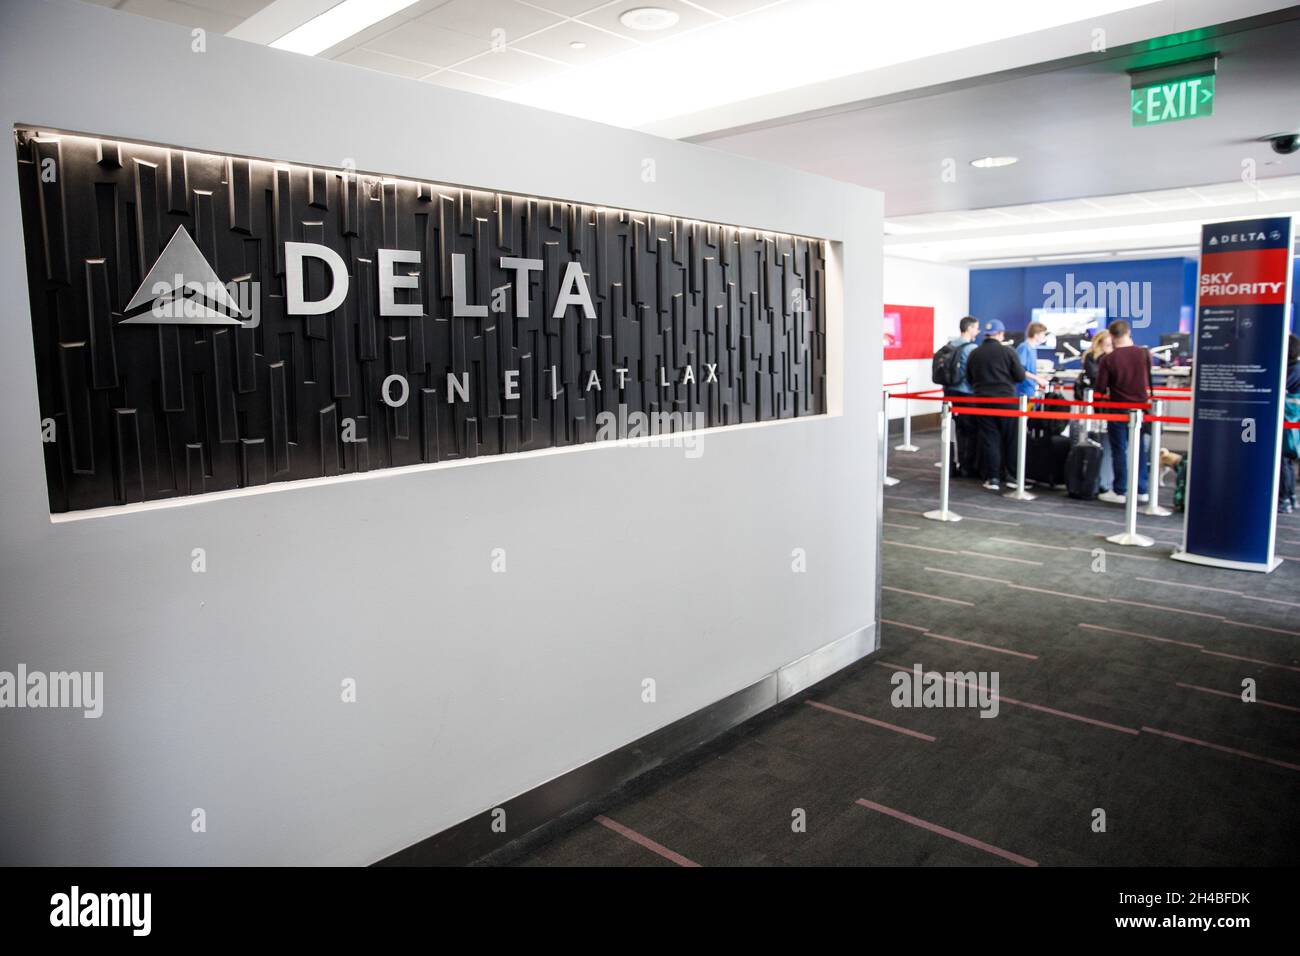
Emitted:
<point x="1117" y="433"/>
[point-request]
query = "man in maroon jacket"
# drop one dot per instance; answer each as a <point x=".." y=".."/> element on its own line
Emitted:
<point x="1126" y="375"/>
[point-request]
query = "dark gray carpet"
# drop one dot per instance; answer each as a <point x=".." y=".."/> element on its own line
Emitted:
<point x="1167" y="650"/>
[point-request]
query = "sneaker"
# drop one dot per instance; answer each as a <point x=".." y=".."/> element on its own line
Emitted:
<point x="1286" y="506"/>
<point x="991" y="485"/>
<point x="1014" y="486"/>
<point x="1143" y="498"/>
<point x="1112" y="498"/>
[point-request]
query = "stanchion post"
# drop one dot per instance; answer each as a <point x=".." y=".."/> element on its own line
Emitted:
<point x="1152" y="507"/>
<point x="884" y="440"/>
<point x="1090" y="425"/>
<point x="945" y="463"/>
<point x="1129" y="536"/>
<point x="907" y="419"/>
<point x="1022" y="444"/>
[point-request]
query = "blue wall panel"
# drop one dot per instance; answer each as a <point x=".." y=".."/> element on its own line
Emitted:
<point x="1010" y="294"/>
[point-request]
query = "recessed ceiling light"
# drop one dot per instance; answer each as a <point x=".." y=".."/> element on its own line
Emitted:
<point x="337" y="23"/>
<point x="1068" y="257"/>
<point x="577" y="45"/>
<point x="993" y="162"/>
<point x="648" y="18"/>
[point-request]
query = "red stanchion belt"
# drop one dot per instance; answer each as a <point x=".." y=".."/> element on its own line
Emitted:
<point x="956" y="400"/>
<point x="1017" y="413"/>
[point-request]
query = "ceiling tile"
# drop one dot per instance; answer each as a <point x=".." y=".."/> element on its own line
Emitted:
<point x="383" y="63"/>
<point x="238" y="8"/>
<point x="422" y="41"/>
<point x="736" y="8"/>
<point x="688" y="18"/>
<point x="566" y="8"/>
<point x="480" y="18"/>
<point x="555" y="43"/>
<point x="182" y="14"/>
<point x="363" y="37"/>
<point x="469" y="84"/>
<point x="511" y="66"/>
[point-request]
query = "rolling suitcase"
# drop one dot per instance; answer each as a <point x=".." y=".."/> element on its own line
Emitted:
<point x="1083" y="471"/>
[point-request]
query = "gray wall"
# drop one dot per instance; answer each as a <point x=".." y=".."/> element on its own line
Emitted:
<point x="222" y="689"/>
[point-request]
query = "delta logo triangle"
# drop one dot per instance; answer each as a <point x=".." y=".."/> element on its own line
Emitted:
<point x="183" y="289"/>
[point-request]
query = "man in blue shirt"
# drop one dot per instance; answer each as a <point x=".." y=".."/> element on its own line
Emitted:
<point x="1035" y="335"/>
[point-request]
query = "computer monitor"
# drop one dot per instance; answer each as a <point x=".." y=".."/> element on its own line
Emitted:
<point x="1067" y="322"/>
<point x="1070" y="348"/>
<point x="1181" y="353"/>
<point x="1013" y="338"/>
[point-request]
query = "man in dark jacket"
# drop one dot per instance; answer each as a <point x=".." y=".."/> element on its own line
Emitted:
<point x="965" y="426"/>
<point x="994" y="371"/>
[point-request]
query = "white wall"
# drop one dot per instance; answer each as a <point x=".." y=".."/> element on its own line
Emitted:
<point x="945" y="288"/>
<point x="222" y="689"/>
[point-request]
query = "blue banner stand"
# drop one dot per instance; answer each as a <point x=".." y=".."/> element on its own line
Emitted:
<point x="1235" y="441"/>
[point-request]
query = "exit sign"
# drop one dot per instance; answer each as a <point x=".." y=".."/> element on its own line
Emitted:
<point x="1178" y="99"/>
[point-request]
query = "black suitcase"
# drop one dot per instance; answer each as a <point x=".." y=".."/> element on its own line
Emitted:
<point x="1041" y="427"/>
<point x="1083" y="471"/>
<point x="1045" y="459"/>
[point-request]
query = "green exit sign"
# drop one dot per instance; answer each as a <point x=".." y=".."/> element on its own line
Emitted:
<point x="1163" y="102"/>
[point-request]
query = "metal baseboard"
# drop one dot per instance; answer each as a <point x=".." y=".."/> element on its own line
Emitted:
<point x="566" y="801"/>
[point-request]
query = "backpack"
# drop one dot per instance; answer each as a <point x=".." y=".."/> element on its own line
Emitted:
<point x="945" y="367"/>
<point x="1291" y="437"/>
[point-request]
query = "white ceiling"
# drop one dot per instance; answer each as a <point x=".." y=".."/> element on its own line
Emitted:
<point x="720" y="52"/>
<point x="451" y="42"/>
<point x="215" y="16"/>
<point x="1159" y="223"/>
<point x="1067" y="119"/>
<point x="1069" y="126"/>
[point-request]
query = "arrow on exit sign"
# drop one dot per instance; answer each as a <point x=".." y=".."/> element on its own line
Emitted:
<point x="1188" y="97"/>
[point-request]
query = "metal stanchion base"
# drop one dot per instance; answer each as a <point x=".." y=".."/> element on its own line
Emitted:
<point x="906" y="448"/>
<point x="1132" y="540"/>
<point x="1020" y="495"/>
<point x="889" y="482"/>
<point x="938" y="515"/>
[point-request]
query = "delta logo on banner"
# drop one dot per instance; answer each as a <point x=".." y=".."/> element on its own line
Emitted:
<point x="1237" y="397"/>
<point x="1244" y="263"/>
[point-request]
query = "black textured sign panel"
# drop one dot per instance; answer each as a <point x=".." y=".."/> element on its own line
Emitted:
<point x="141" y="412"/>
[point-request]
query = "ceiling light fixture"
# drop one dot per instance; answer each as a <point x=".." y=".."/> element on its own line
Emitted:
<point x="1164" y="250"/>
<point x="648" y="18"/>
<point x="337" y="24"/>
<point x="577" y="45"/>
<point x="993" y="162"/>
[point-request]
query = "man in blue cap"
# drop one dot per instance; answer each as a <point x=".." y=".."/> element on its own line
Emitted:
<point x="995" y="371"/>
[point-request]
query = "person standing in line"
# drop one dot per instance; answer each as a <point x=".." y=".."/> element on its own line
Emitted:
<point x="994" y="371"/>
<point x="1027" y="352"/>
<point x="1125" y="374"/>
<point x="1291" y="440"/>
<point x="1102" y="345"/>
<point x="965" y="426"/>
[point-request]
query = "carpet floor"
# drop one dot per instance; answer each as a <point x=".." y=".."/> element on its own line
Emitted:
<point x="1121" y="737"/>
